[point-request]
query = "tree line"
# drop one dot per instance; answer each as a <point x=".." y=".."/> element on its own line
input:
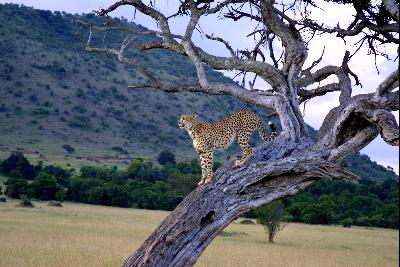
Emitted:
<point x="146" y="186"/>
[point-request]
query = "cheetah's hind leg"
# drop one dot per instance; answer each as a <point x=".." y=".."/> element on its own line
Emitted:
<point x="247" y="150"/>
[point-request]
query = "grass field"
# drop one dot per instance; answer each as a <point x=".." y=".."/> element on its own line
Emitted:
<point x="86" y="235"/>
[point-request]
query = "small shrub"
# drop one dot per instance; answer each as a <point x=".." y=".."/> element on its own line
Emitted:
<point x="32" y="98"/>
<point x="120" y="150"/>
<point x="80" y="121"/>
<point x="232" y="234"/>
<point x="348" y="222"/>
<point x="247" y="221"/>
<point x="53" y="203"/>
<point x="68" y="148"/>
<point x="25" y="202"/>
<point x="17" y="110"/>
<point x="47" y="104"/>
<point x="166" y="156"/>
<point x="41" y="112"/>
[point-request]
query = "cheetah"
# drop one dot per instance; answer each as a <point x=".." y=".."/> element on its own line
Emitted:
<point x="220" y="135"/>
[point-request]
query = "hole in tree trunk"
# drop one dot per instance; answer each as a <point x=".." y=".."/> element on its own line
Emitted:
<point x="208" y="218"/>
<point x="351" y="126"/>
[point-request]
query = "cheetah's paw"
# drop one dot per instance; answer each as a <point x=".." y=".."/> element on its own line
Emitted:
<point x="238" y="164"/>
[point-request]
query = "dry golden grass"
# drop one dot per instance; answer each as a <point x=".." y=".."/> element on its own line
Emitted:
<point x="86" y="235"/>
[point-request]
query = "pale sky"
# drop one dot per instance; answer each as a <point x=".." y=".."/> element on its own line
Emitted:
<point x="317" y="108"/>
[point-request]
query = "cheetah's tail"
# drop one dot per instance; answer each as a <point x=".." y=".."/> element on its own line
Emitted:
<point x="262" y="133"/>
<point x="273" y="130"/>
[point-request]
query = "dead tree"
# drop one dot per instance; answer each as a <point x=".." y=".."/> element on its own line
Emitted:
<point x="291" y="162"/>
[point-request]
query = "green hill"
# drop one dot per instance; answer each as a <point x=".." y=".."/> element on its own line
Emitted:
<point x="56" y="97"/>
<point x="54" y="93"/>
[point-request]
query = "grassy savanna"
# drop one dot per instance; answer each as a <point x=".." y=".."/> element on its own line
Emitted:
<point x="86" y="235"/>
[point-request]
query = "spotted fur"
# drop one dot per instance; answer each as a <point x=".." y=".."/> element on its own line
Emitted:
<point x="220" y="135"/>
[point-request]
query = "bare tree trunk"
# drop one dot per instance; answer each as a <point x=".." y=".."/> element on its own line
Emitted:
<point x="276" y="170"/>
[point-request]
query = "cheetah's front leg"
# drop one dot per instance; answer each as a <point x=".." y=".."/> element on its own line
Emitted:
<point x="206" y="161"/>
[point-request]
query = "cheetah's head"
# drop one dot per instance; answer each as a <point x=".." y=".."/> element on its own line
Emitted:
<point x="186" y="121"/>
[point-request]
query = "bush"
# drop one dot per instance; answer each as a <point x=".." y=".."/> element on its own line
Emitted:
<point x="41" y="112"/>
<point x="80" y="121"/>
<point x="3" y="199"/>
<point x="348" y="222"/>
<point x="53" y="203"/>
<point x="120" y="150"/>
<point x="247" y="221"/>
<point x="25" y="202"/>
<point x="166" y="156"/>
<point x="364" y="221"/>
<point x="68" y="148"/>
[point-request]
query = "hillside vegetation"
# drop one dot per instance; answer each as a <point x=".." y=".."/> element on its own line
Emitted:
<point x="61" y="104"/>
<point x="54" y="93"/>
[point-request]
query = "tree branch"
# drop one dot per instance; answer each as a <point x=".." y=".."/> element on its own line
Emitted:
<point x="319" y="91"/>
<point x="344" y="85"/>
<point x="119" y="54"/>
<point x="295" y="51"/>
<point x="227" y="45"/>
<point x="393" y="8"/>
<point x="389" y="84"/>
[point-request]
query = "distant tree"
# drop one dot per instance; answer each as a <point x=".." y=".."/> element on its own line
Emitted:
<point x="18" y="166"/>
<point x="144" y="170"/>
<point x="270" y="216"/>
<point x="346" y="222"/>
<point x="166" y="156"/>
<point x="45" y="187"/>
<point x="319" y="213"/>
<point x="61" y="194"/>
<point x="62" y="175"/>
<point x="16" y="187"/>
